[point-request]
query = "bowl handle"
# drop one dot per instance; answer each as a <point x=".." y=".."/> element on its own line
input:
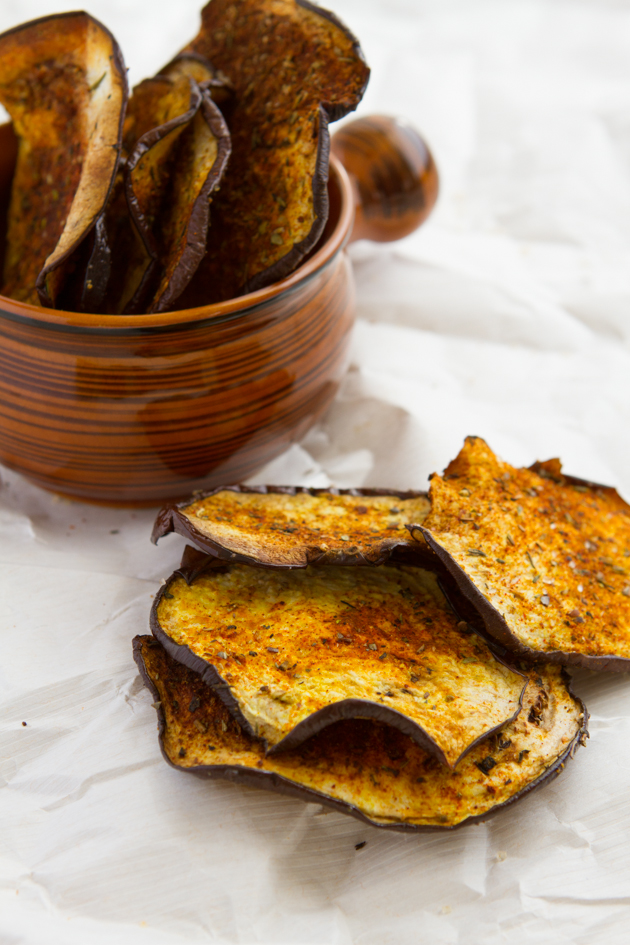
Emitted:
<point x="393" y="173"/>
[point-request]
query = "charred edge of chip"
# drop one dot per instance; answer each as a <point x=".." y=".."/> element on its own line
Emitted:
<point x="208" y="673"/>
<point x="336" y="112"/>
<point x="287" y="263"/>
<point x="252" y="777"/>
<point x="170" y="519"/>
<point x="144" y="144"/>
<point x="200" y="215"/>
<point x="364" y="709"/>
<point x="497" y="627"/>
<point x="118" y="65"/>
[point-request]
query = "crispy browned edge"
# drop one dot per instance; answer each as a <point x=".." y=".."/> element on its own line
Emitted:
<point x="199" y="219"/>
<point x="100" y="246"/>
<point x="327" y="113"/>
<point x="460" y="586"/>
<point x="169" y="519"/>
<point x="335" y="112"/>
<point x="269" y="780"/>
<point x="195" y="563"/>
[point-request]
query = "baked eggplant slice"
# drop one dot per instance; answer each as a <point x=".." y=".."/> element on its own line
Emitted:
<point x="159" y="111"/>
<point x="63" y="82"/>
<point x="290" y="652"/>
<point x="294" y="68"/>
<point x="292" y="527"/>
<point x="177" y="145"/>
<point x="543" y="557"/>
<point x="362" y="767"/>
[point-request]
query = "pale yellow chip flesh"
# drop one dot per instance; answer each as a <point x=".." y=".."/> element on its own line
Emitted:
<point x="289" y="644"/>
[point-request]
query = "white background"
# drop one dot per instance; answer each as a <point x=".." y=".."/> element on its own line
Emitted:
<point x="507" y="316"/>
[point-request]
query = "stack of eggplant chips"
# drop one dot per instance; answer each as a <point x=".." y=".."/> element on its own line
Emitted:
<point x="306" y="644"/>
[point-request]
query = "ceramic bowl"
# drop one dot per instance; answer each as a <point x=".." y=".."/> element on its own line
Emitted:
<point x="135" y="410"/>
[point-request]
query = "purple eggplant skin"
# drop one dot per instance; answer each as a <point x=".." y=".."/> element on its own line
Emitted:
<point x="171" y="519"/>
<point x="273" y="781"/>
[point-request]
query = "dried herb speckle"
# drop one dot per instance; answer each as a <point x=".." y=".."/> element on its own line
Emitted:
<point x="486" y="765"/>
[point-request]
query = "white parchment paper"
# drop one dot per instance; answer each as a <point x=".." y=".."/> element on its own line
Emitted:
<point x="507" y="316"/>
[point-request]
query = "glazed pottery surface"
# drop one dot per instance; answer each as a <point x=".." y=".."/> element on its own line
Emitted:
<point x="139" y="409"/>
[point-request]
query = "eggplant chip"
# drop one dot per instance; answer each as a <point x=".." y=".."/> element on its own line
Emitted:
<point x="177" y="145"/>
<point x="362" y="767"/>
<point x="159" y="111"/>
<point x="543" y="557"/>
<point x="182" y="226"/>
<point x="293" y="651"/>
<point x="294" y="68"/>
<point x="63" y="82"/>
<point x="292" y="527"/>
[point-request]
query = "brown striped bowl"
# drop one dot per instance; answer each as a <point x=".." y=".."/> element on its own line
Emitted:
<point x="140" y="409"/>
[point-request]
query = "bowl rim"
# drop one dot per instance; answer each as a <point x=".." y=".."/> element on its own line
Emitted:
<point x="219" y="311"/>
